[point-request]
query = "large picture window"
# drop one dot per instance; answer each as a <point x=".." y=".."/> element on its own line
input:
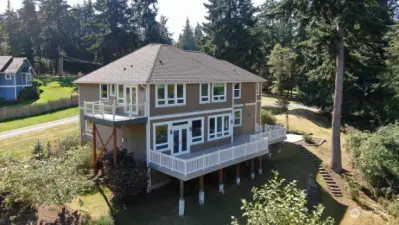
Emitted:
<point x="219" y="127"/>
<point x="161" y="137"/>
<point x="204" y="93"/>
<point x="121" y="94"/>
<point x="258" y="88"/>
<point x="237" y="91"/>
<point x="104" y="91"/>
<point x="219" y="92"/>
<point x="237" y="117"/>
<point x="113" y="89"/>
<point x="170" y="94"/>
<point x="197" y="129"/>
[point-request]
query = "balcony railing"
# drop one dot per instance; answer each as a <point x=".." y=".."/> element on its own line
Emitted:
<point x="272" y="133"/>
<point x="110" y="110"/>
<point x="192" y="165"/>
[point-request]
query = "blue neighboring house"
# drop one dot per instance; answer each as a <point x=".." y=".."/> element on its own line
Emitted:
<point x="15" y="74"/>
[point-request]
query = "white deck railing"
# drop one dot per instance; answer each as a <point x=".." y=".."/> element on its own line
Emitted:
<point x="188" y="166"/>
<point x="111" y="111"/>
<point x="271" y="133"/>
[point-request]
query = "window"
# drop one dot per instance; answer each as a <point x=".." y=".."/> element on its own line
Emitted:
<point x="28" y="77"/>
<point x="89" y="128"/>
<point x="219" y="127"/>
<point x="204" y="93"/>
<point x="237" y="91"/>
<point x="113" y="89"/>
<point x="219" y="92"/>
<point x="237" y="117"/>
<point x="8" y="76"/>
<point x="104" y="91"/>
<point x="258" y="88"/>
<point x="121" y="94"/>
<point x="197" y="131"/>
<point x="171" y="94"/>
<point x="161" y="137"/>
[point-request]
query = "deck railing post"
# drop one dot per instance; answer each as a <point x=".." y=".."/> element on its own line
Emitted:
<point x="92" y="109"/>
<point x="84" y="107"/>
<point x="130" y="110"/>
<point x="113" y="110"/>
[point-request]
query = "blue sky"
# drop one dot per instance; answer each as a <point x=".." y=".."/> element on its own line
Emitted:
<point x="176" y="10"/>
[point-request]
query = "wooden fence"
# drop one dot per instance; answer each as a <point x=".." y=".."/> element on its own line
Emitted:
<point x="15" y="112"/>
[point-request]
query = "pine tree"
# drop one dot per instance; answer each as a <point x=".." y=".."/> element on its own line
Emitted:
<point x="198" y="35"/>
<point x="12" y="28"/>
<point x="186" y="39"/>
<point x="4" y="42"/>
<point x="30" y="29"/>
<point x="145" y="15"/>
<point x="166" y="36"/>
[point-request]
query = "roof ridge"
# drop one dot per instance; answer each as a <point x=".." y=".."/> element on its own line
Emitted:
<point x="201" y="62"/>
<point x="154" y="63"/>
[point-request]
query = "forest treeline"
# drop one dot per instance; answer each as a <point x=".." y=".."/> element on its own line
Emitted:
<point x="285" y="42"/>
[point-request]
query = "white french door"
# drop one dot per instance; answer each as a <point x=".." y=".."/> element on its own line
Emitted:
<point x="131" y="99"/>
<point x="181" y="140"/>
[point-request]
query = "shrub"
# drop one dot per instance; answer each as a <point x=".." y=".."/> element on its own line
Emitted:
<point x="280" y="203"/>
<point x="71" y="142"/>
<point x="308" y="138"/>
<point x="38" y="149"/>
<point x="283" y="104"/>
<point x="267" y="117"/>
<point x="393" y="207"/>
<point x="52" y="180"/>
<point x="353" y="188"/>
<point x="376" y="156"/>
<point x="2" y="102"/>
<point x="37" y="83"/>
<point x="29" y="93"/>
<point x="127" y="180"/>
<point x="104" y="220"/>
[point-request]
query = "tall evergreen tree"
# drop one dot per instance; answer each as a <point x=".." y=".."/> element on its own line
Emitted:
<point x="30" y="29"/>
<point x="334" y="37"/>
<point x="230" y="32"/>
<point x="145" y="14"/>
<point x="12" y="28"/>
<point x="198" y="35"/>
<point x="166" y="36"/>
<point x="186" y="40"/>
<point x="4" y="42"/>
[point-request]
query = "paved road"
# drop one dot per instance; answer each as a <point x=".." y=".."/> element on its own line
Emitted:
<point x="42" y="126"/>
<point x="291" y="105"/>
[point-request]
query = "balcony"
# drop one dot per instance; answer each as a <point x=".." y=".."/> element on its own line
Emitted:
<point x="191" y="165"/>
<point x="111" y="113"/>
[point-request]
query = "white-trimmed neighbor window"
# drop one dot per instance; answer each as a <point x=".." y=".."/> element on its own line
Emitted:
<point x="161" y="137"/>
<point x="8" y="76"/>
<point x="237" y="90"/>
<point x="28" y="77"/>
<point x="219" y="92"/>
<point x="89" y="128"/>
<point x="258" y="88"/>
<point x="237" y="117"/>
<point x="170" y="95"/>
<point x="104" y="91"/>
<point x="121" y="94"/>
<point x="113" y="89"/>
<point x="197" y="131"/>
<point x="205" y="93"/>
<point x="219" y="127"/>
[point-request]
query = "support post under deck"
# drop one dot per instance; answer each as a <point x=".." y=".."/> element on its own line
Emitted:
<point x="238" y="174"/>
<point x="181" y="199"/>
<point x="94" y="150"/>
<point x="252" y="168"/>
<point x="260" y="165"/>
<point x="221" y="186"/>
<point x="201" y="190"/>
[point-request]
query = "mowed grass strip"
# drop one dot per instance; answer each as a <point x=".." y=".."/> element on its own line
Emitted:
<point x="20" y="147"/>
<point x="24" y="122"/>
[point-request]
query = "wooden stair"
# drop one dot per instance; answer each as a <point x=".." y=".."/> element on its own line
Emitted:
<point x="332" y="185"/>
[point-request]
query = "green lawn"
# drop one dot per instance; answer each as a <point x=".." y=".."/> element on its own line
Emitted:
<point x="161" y="206"/>
<point x="53" y="88"/>
<point x="19" y="123"/>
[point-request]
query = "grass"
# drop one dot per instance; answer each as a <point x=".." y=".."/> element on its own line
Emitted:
<point x="24" y="122"/>
<point x="54" y="88"/>
<point x="266" y="99"/>
<point x="161" y="206"/>
<point x="21" y="145"/>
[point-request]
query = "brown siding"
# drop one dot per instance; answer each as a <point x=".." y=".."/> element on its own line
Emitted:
<point x="248" y="91"/>
<point x="88" y="92"/>
<point x="248" y="121"/>
<point x="258" y="112"/>
<point x="192" y="102"/>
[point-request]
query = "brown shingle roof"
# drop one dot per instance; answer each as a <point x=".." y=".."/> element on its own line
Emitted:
<point x="15" y="65"/>
<point x="3" y="61"/>
<point x="156" y="63"/>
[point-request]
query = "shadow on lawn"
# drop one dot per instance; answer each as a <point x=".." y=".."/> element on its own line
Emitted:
<point x="161" y="206"/>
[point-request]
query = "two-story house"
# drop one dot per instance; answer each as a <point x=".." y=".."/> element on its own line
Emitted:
<point x="184" y="113"/>
<point x="15" y="74"/>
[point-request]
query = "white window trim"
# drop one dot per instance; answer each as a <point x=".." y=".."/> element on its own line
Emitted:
<point x="88" y="131"/>
<point x="202" y="131"/>
<point x="225" y="92"/>
<point x="8" y="76"/>
<point x="234" y="117"/>
<point x="258" y="88"/>
<point x="101" y="96"/>
<point x="123" y="94"/>
<point x="112" y="90"/>
<point x="234" y="91"/>
<point x="209" y="94"/>
<point x="223" y="131"/>
<point x="154" y="139"/>
<point x="166" y="96"/>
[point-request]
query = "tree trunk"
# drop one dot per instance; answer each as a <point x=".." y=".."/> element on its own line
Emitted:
<point x="336" y="162"/>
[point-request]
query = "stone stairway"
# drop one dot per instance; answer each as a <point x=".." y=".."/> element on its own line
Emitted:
<point x="332" y="185"/>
